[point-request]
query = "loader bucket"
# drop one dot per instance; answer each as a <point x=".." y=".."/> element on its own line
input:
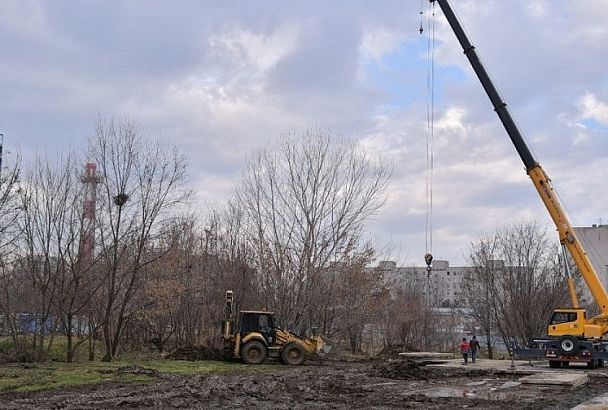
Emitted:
<point x="322" y="345"/>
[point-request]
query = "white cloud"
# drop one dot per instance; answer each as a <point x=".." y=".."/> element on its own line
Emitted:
<point x="222" y="78"/>
<point x="592" y="108"/>
<point x="379" y="42"/>
<point x="262" y="51"/>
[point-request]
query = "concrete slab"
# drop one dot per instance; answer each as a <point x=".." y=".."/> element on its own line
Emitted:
<point x="596" y="403"/>
<point x="426" y="355"/>
<point x="509" y="385"/>
<point x="521" y="367"/>
<point x="556" y="379"/>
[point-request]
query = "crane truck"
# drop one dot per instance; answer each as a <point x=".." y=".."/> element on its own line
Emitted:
<point x="572" y="336"/>
<point x="255" y="336"/>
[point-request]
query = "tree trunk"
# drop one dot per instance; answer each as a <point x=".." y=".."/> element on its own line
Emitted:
<point x="69" y="357"/>
<point x="489" y="344"/>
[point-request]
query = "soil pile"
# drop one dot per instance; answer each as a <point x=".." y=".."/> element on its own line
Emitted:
<point x="196" y="353"/>
<point x="410" y="370"/>
<point x="401" y="370"/>
<point x="392" y="351"/>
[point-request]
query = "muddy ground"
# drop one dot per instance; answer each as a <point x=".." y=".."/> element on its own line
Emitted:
<point x="322" y="384"/>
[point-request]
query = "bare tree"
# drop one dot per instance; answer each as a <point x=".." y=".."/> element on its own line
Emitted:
<point x="518" y="280"/>
<point x="360" y="298"/>
<point x="304" y="200"/>
<point x="10" y="211"/>
<point x="141" y="188"/>
<point x="50" y="239"/>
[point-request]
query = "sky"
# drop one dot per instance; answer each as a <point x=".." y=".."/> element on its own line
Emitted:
<point x="221" y="80"/>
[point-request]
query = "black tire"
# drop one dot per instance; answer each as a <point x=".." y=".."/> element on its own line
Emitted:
<point x="554" y="364"/>
<point x="592" y="364"/>
<point x="565" y="364"/>
<point x="253" y="352"/>
<point x="568" y="345"/>
<point x="600" y="363"/>
<point x="293" y="355"/>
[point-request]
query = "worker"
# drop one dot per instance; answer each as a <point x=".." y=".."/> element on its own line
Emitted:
<point x="474" y="346"/>
<point x="464" y="349"/>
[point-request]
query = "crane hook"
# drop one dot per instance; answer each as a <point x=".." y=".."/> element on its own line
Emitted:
<point x="428" y="258"/>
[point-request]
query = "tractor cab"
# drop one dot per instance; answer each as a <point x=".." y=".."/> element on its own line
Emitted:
<point x="259" y="322"/>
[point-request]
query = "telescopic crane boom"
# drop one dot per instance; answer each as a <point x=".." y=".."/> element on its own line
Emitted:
<point x="571" y="333"/>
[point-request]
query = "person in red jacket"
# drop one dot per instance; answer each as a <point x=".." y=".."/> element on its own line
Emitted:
<point x="464" y="349"/>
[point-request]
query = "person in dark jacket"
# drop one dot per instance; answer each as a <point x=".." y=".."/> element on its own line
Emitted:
<point x="473" y="347"/>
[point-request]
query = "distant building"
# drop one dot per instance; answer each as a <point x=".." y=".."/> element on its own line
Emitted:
<point x="595" y="241"/>
<point x="444" y="283"/>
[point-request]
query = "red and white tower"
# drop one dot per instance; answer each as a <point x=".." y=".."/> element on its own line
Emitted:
<point x="90" y="179"/>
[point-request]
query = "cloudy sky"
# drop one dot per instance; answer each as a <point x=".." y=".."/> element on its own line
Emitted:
<point x="222" y="79"/>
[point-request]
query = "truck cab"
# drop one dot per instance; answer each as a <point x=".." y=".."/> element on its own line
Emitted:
<point x="567" y="322"/>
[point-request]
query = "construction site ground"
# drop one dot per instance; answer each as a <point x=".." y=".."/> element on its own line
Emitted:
<point x="378" y="383"/>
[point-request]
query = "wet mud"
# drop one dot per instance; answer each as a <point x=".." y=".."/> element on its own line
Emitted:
<point x="320" y="385"/>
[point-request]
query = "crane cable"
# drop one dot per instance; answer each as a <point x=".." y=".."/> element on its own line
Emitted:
<point x="430" y="133"/>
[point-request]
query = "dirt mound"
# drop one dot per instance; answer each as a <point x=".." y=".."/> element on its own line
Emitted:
<point x="196" y="353"/>
<point x="392" y="351"/>
<point x="401" y="370"/>
<point x="410" y="370"/>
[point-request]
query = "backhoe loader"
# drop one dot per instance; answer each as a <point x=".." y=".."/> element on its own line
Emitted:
<point x="573" y="337"/>
<point x="256" y="336"/>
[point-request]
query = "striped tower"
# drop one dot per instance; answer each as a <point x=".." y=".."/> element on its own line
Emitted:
<point x="90" y="179"/>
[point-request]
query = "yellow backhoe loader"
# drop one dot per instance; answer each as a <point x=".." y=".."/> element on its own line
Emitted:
<point x="256" y="336"/>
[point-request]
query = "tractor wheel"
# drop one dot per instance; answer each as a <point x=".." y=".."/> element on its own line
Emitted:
<point x="253" y="352"/>
<point x="293" y="354"/>
<point x="567" y="345"/>
<point x="554" y="364"/>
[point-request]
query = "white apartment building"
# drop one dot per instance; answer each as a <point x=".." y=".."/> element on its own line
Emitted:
<point x="444" y="283"/>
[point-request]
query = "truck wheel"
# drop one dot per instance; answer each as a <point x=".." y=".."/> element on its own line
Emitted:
<point x="592" y="364"/>
<point x="253" y="352"/>
<point x="293" y="354"/>
<point x="554" y="364"/>
<point x="567" y="345"/>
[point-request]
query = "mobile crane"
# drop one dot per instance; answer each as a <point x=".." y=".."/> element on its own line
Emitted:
<point x="572" y="336"/>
